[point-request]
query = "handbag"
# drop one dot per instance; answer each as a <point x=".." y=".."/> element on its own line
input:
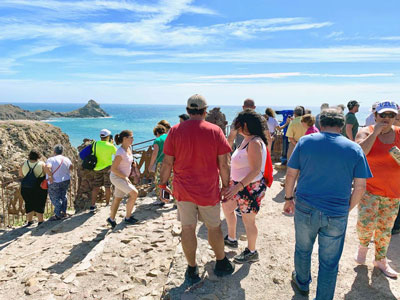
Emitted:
<point x="90" y="161"/>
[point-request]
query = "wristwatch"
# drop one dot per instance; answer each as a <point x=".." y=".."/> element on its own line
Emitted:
<point x="289" y="198"/>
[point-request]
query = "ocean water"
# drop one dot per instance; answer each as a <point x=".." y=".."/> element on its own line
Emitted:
<point x="141" y="119"/>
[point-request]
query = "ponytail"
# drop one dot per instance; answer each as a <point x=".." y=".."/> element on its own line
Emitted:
<point x="119" y="137"/>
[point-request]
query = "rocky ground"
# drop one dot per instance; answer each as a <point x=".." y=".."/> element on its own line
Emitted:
<point x="81" y="258"/>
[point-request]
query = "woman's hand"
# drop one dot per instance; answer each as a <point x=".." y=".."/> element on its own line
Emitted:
<point x="232" y="191"/>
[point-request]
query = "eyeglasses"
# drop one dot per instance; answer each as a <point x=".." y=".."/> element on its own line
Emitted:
<point x="390" y="115"/>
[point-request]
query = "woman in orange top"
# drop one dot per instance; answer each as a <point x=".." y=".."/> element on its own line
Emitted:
<point x="378" y="209"/>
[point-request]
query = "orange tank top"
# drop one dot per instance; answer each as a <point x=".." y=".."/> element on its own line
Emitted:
<point x="385" y="170"/>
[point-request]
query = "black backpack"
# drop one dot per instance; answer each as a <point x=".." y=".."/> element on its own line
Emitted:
<point x="90" y="161"/>
<point x="30" y="180"/>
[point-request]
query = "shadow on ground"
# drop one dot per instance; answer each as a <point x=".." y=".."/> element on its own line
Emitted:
<point x="362" y="289"/>
<point x="77" y="254"/>
<point x="240" y="230"/>
<point x="11" y="236"/>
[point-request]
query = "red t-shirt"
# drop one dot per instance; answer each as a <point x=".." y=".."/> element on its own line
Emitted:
<point x="195" y="145"/>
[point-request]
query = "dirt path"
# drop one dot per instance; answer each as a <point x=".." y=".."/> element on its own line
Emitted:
<point x="81" y="258"/>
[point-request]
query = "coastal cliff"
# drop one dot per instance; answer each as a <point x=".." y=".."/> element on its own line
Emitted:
<point x="12" y="112"/>
<point x="17" y="138"/>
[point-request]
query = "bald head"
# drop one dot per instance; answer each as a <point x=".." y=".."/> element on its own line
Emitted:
<point x="249" y="103"/>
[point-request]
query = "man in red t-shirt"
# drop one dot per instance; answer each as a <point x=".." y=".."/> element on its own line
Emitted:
<point x="198" y="153"/>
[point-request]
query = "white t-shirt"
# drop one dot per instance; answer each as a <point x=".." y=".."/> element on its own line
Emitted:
<point x="126" y="163"/>
<point x="62" y="173"/>
<point x="272" y="124"/>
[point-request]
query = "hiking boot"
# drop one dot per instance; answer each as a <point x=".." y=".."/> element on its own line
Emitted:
<point x="229" y="243"/>
<point x="296" y="284"/>
<point x="131" y="220"/>
<point x="361" y="255"/>
<point x="92" y="208"/>
<point x="224" y="268"/>
<point x="192" y="275"/>
<point x="111" y="222"/>
<point x="238" y="212"/>
<point x="385" y="268"/>
<point x="246" y="256"/>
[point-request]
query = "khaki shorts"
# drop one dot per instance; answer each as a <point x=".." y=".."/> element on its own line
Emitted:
<point x="122" y="187"/>
<point x="189" y="213"/>
<point x="102" y="178"/>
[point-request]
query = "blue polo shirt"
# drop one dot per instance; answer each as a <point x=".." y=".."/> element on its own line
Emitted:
<point x="328" y="163"/>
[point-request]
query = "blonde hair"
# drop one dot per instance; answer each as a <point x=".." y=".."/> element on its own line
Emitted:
<point x="308" y="119"/>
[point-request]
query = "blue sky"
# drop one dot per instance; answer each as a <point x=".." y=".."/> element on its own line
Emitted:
<point x="277" y="52"/>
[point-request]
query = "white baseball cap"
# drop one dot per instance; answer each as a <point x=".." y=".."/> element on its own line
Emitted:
<point x="105" y="133"/>
<point x="386" y="106"/>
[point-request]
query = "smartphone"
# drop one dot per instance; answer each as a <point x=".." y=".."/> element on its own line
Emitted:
<point x="165" y="194"/>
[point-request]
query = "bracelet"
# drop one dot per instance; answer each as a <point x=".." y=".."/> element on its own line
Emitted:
<point x="242" y="185"/>
<point x="162" y="186"/>
<point x="289" y="198"/>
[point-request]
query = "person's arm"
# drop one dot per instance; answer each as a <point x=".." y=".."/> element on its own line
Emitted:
<point x="231" y="137"/>
<point x="292" y="141"/>
<point x="224" y="169"/>
<point x="153" y="157"/>
<point x="165" y="173"/>
<point x="358" y="192"/>
<point x="20" y="171"/>
<point x="366" y="139"/>
<point x="349" y="131"/>
<point x="290" y="181"/>
<point x="114" y="167"/>
<point x="269" y="140"/>
<point x="47" y="170"/>
<point x="254" y="155"/>
<point x="284" y="125"/>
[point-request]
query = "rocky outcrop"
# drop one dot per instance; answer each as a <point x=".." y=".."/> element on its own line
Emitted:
<point x="17" y="138"/>
<point x="12" y="112"/>
<point x="218" y="118"/>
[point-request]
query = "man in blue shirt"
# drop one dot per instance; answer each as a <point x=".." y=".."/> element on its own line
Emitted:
<point x="327" y="165"/>
<point x="285" y="143"/>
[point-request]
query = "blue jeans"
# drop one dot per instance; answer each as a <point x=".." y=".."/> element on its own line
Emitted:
<point x="58" y="196"/>
<point x="285" y="148"/>
<point x="331" y="231"/>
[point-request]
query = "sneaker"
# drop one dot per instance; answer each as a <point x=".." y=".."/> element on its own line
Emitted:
<point x="92" y="208"/>
<point x="30" y="223"/>
<point x="361" y="255"/>
<point x="385" y="268"/>
<point x="246" y="256"/>
<point x="296" y="284"/>
<point x="131" y="220"/>
<point x="111" y="222"/>
<point x="39" y="223"/>
<point x="192" y="277"/>
<point x="229" y="243"/>
<point x="238" y="212"/>
<point x="228" y="269"/>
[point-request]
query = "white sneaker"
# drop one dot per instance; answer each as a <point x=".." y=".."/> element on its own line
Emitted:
<point x="385" y="268"/>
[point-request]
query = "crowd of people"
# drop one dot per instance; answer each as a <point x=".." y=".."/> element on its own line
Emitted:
<point x="332" y="164"/>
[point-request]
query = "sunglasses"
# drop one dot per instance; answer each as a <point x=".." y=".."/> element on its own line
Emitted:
<point x="390" y="115"/>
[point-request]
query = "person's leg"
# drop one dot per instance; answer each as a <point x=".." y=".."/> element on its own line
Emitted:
<point x="54" y="195"/>
<point x="387" y="213"/>
<point x="367" y="218"/>
<point x="131" y="202"/>
<point x="98" y="179"/>
<point x="95" y="192"/>
<point x="331" y="240"/>
<point x="63" y="196"/>
<point x="29" y="216"/>
<point x="189" y="243"/>
<point x="108" y="195"/>
<point x="306" y="229"/>
<point x="107" y="184"/>
<point x="249" y="221"/>
<point x="216" y="241"/>
<point x="40" y="217"/>
<point x="114" y="207"/>
<point x="228" y="208"/>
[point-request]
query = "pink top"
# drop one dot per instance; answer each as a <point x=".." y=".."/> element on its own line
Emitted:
<point x="312" y="129"/>
<point x="126" y="162"/>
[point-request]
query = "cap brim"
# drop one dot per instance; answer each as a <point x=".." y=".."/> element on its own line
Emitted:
<point x="388" y="109"/>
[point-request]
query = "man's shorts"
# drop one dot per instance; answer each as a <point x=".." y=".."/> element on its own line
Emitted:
<point x="189" y="213"/>
<point x="122" y="187"/>
<point x="102" y="178"/>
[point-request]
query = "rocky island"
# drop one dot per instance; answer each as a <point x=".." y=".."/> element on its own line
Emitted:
<point x="12" y="112"/>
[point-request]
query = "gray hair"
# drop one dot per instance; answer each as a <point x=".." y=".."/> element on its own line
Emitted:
<point x="58" y="149"/>
<point x="331" y="118"/>
<point x="299" y="111"/>
<point x="324" y="106"/>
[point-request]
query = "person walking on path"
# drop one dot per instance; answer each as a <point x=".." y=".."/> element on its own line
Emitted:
<point x="323" y="162"/>
<point x="58" y="168"/>
<point x="378" y="208"/>
<point x="121" y="168"/>
<point x="308" y="122"/>
<point x="104" y="153"/>
<point x="198" y="152"/>
<point x="295" y="130"/>
<point x="235" y="139"/>
<point x="322" y="108"/>
<point x="350" y="128"/>
<point x="34" y="196"/>
<point x="248" y="184"/>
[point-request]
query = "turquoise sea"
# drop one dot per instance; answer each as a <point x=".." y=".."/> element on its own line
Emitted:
<point x="139" y="118"/>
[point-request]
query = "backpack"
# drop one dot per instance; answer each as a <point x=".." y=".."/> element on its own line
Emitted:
<point x="30" y="180"/>
<point x="90" y="161"/>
